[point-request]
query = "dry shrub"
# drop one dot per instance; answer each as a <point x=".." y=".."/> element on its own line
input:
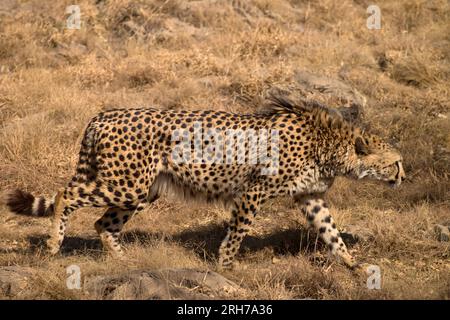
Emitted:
<point x="414" y="72"/>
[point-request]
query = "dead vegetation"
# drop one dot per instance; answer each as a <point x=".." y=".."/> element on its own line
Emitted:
<point x="226" y="55"/>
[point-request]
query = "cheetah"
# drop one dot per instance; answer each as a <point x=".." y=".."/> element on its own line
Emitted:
<point x="129" y="157"/>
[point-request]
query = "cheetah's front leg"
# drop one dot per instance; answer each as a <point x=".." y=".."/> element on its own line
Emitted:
<point x="318" y="215"/>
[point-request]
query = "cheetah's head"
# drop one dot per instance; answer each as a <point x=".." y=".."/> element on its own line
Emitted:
<point x="378" y="160"/>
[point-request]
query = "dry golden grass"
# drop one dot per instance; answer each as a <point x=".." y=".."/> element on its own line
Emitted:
<point x="214" y="54"/>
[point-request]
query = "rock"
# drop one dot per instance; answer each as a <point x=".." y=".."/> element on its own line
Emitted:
<point x="329" y="92"/>
<point x="210" y="279"/>
<point x="67" y="53"/>
<point x="330" y="86"/>
<point x="140" y="284"/>
<point x="353" y="101"/>
<point x="161" y="284"/>
<point x="442" y="232"/>
<point x="14" y="280"/>
<point x="275" y="260"/>
<point x="137" y="286"/>
<point x="8" y="7"/>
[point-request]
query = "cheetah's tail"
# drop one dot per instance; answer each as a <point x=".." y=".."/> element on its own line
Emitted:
<point x="24" y="203"/>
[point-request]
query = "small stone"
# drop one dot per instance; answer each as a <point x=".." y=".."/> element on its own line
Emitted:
<point x="442" y="232"/>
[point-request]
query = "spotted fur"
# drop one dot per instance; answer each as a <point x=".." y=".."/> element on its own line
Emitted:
<point x="126" y="161"/>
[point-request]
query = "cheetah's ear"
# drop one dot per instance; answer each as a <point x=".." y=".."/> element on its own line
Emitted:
<point x="361" y="146"/>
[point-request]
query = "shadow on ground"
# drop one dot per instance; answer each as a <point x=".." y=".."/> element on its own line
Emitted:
<point x="71" y="245"/>
<point x="204" y="241"/>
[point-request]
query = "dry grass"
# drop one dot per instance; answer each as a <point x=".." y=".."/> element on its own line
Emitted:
<point x="214" y="54"/>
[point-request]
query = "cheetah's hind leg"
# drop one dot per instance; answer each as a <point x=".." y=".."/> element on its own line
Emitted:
<point x="110" y="225"/>
<point x="77" y="195"/>
<point x="243" y="214"/>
